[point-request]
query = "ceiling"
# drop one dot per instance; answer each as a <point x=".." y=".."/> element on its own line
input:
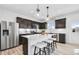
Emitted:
<point x="30" y="9"/>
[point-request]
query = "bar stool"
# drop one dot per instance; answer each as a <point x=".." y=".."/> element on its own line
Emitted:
<point x="54" y="38"/>
<point x="41" y="47"/>
<point x="49" y="45"/>
<point x="54" y="42"/>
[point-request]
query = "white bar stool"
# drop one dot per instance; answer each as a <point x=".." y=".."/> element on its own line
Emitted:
<point x="41" y="46"/>
<point x="49" y="45"/>
<point x="54" y="42"/>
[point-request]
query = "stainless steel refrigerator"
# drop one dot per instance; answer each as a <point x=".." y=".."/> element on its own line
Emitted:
<point x="9" y="36"/>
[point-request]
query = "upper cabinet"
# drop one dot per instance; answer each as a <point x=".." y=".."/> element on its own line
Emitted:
<point x="60" y="23"/>
<point x="29" y="24"/>
<point x="43" y="25"/>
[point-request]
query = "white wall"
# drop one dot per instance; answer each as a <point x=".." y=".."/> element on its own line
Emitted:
<point x="8" y="15"/>
<point x="71" y="37"/>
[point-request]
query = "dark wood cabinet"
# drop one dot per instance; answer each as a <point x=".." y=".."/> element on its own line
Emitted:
<point x="25" y="45"/>
<point x="43" y="25"/>
<point x="25" y="23"/>
<point x="62" y="38"/>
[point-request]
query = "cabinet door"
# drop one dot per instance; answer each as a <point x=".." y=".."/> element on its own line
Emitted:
<point x="62" y="38"/>
<point x="25" y="46"/>
<point x="42" y="26"/>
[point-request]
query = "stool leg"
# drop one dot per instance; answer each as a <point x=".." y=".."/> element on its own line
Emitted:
<point x="52" y="48"/>
<point x="35" y="51"/>
<point x="48" y="49"/>
<point x="55" y="44"/>
<point x="39" y="51"/>
<point x="44" y="50"/>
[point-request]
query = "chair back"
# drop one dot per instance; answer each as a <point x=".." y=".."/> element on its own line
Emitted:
<point x="54" y="36"/>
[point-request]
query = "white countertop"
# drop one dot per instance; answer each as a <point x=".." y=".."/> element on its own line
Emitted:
<point x="27" y="36"/>
<point x="37" y="35"/>
<point x="33" y="39"/>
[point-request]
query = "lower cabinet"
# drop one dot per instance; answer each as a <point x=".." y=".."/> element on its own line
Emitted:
<point x="25" y="46"/>
<point x="62" y="38"/>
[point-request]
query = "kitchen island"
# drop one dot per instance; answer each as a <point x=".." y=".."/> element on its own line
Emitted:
<point x="30" y="40"/>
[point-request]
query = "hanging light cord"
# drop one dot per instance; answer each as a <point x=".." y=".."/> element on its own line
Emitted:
<point x="47" y="11"/>
<point x="38" y="10"/>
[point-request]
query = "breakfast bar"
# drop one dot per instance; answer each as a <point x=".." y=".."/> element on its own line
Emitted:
<point x="30" y="40"/>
